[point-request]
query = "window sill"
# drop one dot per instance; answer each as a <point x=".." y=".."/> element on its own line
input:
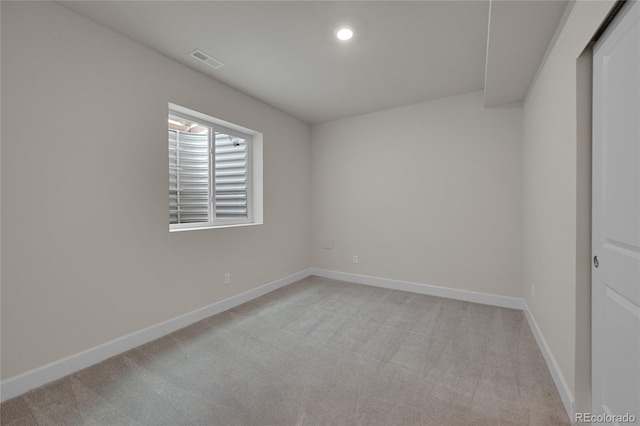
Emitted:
<point x="198" y="228"/>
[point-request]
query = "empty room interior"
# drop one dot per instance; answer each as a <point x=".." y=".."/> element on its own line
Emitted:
<point x="319" y="212"/>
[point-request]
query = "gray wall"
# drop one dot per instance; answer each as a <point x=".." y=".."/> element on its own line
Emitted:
<point x="86" y="252"/>
<point x="556" y="190"/>
<point x="428" y="193"/>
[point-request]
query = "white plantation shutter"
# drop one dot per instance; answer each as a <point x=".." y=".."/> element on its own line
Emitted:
<point x="209" y="174"/>
<point x="188" y="177"/>
<point x="231" y="177"/>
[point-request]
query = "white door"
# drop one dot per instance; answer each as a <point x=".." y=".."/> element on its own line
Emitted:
<point x="616" y="217"/>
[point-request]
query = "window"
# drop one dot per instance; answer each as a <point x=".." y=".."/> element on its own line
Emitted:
<point x="210" y="173"/>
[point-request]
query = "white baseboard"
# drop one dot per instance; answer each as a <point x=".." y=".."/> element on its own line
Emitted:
<point x="432" y="290"/>
<point x="24" y="382"/>
<point x="561" y="384"/>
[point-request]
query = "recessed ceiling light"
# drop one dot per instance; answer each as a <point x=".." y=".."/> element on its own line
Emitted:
<point x="344" y="34"/>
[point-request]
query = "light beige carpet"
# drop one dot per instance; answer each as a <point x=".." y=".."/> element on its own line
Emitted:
<point x="317" y="352"/>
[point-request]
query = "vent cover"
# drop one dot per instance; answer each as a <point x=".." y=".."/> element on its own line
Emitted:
<point x="207" y="59"/>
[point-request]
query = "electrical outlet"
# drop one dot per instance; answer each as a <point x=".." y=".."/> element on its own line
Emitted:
<point x="355" y="259"/>
<point x="227" y="278"/>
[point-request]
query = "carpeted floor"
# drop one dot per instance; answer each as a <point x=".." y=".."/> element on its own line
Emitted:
<point x="317" y="352"/>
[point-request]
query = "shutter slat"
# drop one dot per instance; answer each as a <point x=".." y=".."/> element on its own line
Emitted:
<point x="221" y="165"/>
<point x="230" y="157"/>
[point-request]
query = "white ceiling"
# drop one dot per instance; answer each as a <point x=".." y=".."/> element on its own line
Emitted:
<point x="285" y="53"/>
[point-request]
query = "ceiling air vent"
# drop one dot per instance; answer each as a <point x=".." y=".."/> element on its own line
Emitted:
<point x="209" y="60"/>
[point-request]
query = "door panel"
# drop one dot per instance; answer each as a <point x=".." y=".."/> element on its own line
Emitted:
<point x="616" y="217"/>
<point x="624" y="273"/>
<point x="621" y="383"/>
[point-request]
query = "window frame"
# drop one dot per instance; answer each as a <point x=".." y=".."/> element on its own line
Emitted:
<point x="210" y="122"/>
